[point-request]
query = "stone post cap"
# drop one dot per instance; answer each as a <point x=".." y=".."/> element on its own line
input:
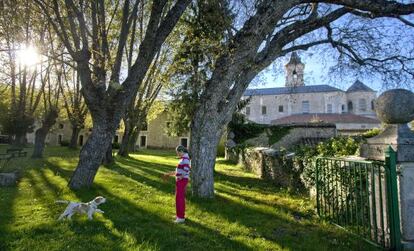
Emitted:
<point x="395" y="106"/>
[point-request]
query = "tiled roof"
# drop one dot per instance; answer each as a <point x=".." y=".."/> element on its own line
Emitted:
<point x="325" y="118"/>
<point x="291" y="90"/>
<point x="358" y="86"/>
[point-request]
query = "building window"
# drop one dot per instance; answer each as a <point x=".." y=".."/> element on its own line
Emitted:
<point x="264" y="110"/>
<point x="362" y="104"/>
<point x="343" y="108"/>
<point x="248" y="110"/>
<point x="81" y="140"/>
<point x="350" y="106"/>
<point x="116" y="138"/>
<point x="184" y="142"/>
<point x="143" y="141"/>
<point x="280" y="108"/>
<point x="61" y="126"/>
<point x="305" y="107"/>
<point x="144" y="126"/>
<point x="372" y="105"/>
<point x="60" y="138"/>
<point x="329" y="108"/>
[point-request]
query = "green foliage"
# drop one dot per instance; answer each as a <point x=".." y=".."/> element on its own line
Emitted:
<point x="247" y="131"/>
<point x="15" y="123"/>
<point x="371" y="133"/>
<point x="180" y="113"/>
<point x="221" y="147"/>
<point x="204" y="28"/>
<point x="334" y="147"/>
<point x="243" y="132"/>
<point x="115" y="145"/>
<point x="246" y="214"/>
<point x="64" y="143"/>
<point x="3" y="113"/>
<point x="338" y="146"/>
<point x="275" y="133"/>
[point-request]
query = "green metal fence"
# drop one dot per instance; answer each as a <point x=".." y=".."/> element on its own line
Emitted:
<point x="361" y="196"/>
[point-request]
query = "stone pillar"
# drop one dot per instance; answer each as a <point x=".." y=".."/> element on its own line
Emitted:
<point x="395" y="108"/>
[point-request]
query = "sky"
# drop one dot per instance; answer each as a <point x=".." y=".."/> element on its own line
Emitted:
<point x="389" y="37"/>
<point x="316" y="73"/>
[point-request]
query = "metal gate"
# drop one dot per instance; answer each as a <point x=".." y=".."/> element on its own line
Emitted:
<point x="362" y="197"/>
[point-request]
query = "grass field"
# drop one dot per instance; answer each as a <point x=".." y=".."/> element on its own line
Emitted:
<point x="246" y="214"/>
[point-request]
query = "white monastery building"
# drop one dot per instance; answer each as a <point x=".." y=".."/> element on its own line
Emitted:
<point x="352" y="111"/>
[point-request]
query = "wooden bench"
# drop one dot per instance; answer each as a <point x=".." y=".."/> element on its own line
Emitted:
<point x="11" y="153"/>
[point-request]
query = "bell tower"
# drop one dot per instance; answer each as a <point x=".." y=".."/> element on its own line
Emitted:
<point x="294" y="71"/>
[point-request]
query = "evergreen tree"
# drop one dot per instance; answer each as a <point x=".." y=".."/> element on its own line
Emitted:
<point x="205" y="28"/>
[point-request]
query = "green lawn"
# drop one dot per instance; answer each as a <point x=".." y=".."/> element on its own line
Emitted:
<point x="247" y="213"/>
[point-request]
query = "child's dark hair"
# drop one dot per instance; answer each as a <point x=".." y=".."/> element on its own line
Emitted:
<point x="181" y="148"/>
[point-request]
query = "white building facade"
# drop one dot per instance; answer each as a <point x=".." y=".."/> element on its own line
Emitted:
<point x="269" y="105"/>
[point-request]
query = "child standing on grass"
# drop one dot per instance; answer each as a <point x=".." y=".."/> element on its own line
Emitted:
<point x="182" y="174"/>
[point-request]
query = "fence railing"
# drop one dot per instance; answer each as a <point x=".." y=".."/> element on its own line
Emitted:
<point x="360" y="196"/>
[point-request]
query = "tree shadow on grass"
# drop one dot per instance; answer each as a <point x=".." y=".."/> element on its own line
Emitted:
<point x="151" y="176"/>
<point x="127" y="217"/>
<point x="274" y="203"/>
<point x="283" y="231"/>
<point x="8" y="195"/>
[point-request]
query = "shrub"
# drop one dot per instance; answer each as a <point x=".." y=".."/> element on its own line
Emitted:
<point x="276" y="133"/>
<point x="64" y="143"/>
<point x="334" y="147"/>
<point x="221" y="147"/>
<point x="115" y="145"/>
<point x="243" y="132"/>
<point x="371" y="133"/>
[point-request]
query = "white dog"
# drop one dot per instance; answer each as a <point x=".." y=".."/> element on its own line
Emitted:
<point x="82" y="208"/>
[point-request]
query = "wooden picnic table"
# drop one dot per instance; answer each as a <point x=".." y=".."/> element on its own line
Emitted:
<point x="11" y="153"/>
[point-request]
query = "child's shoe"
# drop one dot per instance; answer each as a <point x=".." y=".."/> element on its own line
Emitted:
<point x="179" y="220"/>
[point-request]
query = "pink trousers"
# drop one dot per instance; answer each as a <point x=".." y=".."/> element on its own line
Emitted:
<point x="180" y="186"/>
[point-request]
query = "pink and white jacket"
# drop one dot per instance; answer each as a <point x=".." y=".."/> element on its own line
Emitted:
<point x="183" y="168"/>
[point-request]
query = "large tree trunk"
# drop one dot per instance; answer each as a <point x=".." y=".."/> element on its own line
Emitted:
<point x="133" y="140"/>
<point x="206" y="131"/>
<point x="41" y="133"/>
<point x="20" y="140"/>
<point x="74" y="138"/>
<point x="92" y="154"/>
<point x="39" y="146"/>
<point x="123" y="148"/>
<point x="108" y="158"/>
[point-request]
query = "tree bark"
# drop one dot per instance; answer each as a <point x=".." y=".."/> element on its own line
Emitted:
<point x="20" y="140"/>
<point x="133" y="139"/>
<point x="123" y="148"/>
<point x="39" y="146"/>
<point x="108" y="158"/>
<point x="203" y="150"/>
<point x="92" y="154"/>
<point x="74" y="138"/>
<point x="41" y="133"/>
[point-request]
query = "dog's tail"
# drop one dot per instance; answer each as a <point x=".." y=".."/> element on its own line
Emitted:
<point x="62" y="201"/>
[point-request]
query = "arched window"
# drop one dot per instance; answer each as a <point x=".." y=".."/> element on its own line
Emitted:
<point x="350" y="106"/>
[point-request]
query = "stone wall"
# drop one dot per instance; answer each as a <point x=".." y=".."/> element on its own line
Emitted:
<point x="305" y="131"/>
<point x="297" y="134"/>
<point x="273" y="165"/>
